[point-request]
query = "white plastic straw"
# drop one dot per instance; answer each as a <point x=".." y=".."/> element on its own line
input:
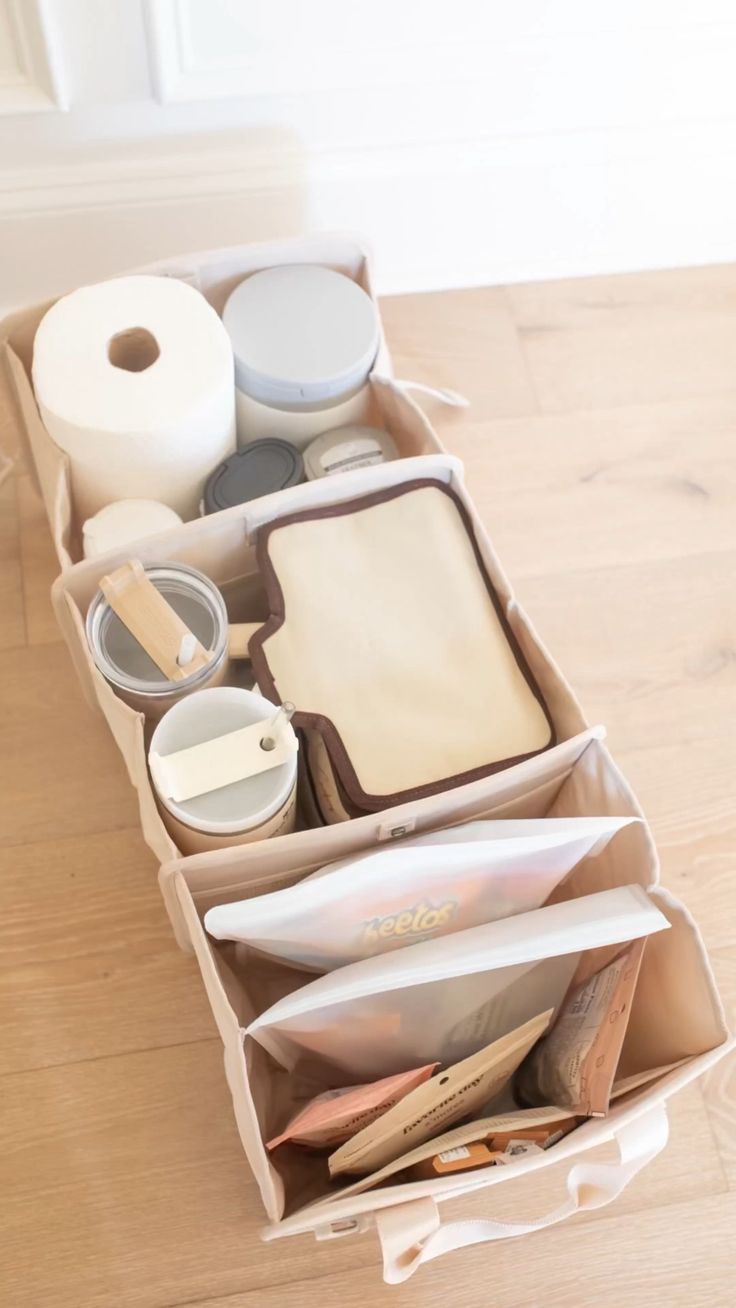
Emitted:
<point x="278" y="723"/>
<point x="187" y="649"/>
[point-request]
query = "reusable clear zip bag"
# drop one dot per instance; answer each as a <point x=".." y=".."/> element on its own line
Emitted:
<point x="426" y="886"/>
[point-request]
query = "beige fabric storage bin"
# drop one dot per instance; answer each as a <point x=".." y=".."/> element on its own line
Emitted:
<point x="222" y="546"/>
<point x="676" y="1014"/>
<point x="215" y="273"/>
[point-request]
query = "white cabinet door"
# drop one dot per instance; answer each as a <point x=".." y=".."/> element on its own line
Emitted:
<point x="29" y="76"/>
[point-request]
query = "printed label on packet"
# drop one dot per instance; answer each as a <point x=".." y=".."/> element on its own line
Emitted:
<point x="521" y="1149"/>
<point x="456" y="1155"/>
<point x="400" y="927"/>
<point x="463" y="1159"/>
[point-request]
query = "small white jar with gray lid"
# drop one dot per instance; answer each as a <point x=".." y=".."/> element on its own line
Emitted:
<point x="304" y="339"/>
<point x="345" y="449"/>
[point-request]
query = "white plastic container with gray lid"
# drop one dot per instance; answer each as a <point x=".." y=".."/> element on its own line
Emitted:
<point x="346" y="448"/>
<point x="304" y="339"/>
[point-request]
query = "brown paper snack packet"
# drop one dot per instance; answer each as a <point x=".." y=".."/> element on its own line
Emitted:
<point x="451" y="1094"/>
<point x="575" y="1065"/>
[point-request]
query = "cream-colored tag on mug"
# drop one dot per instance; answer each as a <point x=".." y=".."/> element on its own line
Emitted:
<point x="219" y="762"/>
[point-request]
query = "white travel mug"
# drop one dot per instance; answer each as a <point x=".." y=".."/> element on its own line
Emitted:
<point x="237" y="814"/>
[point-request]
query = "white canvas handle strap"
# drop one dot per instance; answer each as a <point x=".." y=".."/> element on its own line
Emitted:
<point x="412" y="1233"/>
<point x="442" y="393"/>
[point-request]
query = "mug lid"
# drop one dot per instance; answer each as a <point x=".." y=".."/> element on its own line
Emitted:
<point x="125" y="664"/>
<point x="258" y="469"/>
<point x="301" y="334"/>
<point x="241" y="805"/>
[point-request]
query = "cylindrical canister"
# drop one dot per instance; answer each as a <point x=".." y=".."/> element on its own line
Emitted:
<point x="346" y="448"/>
<point x="124" y="663"/>
<point x="304" y="340"/>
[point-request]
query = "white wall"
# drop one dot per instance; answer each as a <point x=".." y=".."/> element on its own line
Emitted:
<point x="472" y="140"/>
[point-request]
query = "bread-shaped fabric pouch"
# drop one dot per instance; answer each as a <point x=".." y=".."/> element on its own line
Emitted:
<point x="386" y="633"/>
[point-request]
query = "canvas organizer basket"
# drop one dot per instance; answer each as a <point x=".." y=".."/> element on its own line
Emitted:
<point x="224" y="547"/>
<point x="676" y="1014"/>
<point x="567" y="771"/>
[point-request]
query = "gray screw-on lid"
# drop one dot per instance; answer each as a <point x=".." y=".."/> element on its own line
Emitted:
<point x="258" y="469"/>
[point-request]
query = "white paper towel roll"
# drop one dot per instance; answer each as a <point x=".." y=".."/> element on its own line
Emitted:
<point x="134" y="380"/>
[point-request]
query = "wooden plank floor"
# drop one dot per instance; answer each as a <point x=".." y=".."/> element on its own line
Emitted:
<point x="601" y="449"/>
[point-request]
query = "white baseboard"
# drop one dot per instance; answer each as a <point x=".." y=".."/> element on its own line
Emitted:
<point x="439" y="213"/>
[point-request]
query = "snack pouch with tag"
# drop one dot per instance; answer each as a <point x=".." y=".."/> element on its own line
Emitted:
<point x="453" y="1093"/>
